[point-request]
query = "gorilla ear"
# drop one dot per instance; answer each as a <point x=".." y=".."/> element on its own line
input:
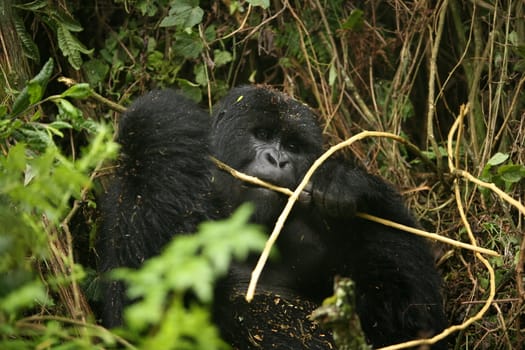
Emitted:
<point x="220" y="115"/>
<point x="219" y="118"/>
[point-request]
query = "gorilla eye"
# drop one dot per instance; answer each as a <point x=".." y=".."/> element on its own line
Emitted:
<point x="293" y="145"/>
<point x="262" y="134"/>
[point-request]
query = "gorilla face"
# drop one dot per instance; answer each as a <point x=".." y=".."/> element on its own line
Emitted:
<point x="267" y="135"/>
<point x="276" y="160"/>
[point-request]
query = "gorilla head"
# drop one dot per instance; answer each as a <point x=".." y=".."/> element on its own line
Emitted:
<point x="266" y="134"/>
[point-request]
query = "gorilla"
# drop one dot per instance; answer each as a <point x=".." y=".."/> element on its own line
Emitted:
<point x="165" y="184"/>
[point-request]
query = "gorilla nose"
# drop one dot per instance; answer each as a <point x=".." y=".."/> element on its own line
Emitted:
<point x="276" y="159"/>
<point x="274" y="167"/>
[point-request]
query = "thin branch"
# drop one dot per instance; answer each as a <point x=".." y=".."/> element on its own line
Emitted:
<point x="248" y="178"/>
<point x="431" y="83"/>
<point x="432" y="236"/>
<point x="112" y="105"/>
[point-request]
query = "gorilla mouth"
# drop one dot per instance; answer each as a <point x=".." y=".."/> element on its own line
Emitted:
<point x="253" y="188"/>
<point x="262" y="188"/>
<point x="305" y="197"/>
<point x="280" y="181"/>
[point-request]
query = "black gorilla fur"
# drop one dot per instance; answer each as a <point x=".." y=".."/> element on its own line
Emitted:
<point x="166" y="184"/>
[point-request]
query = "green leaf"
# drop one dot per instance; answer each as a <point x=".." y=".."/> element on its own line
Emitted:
<point x="29" y="294"/>
<point x="16" y="159"/>
<point x="37" y="138"/>
<point x="221" y="57"/>
<point x="67" y="46"/>
<point x="81" y="90"/>
<point x="35" y="92"/>
<point x="29" y="174"/>
<point x="194" y="17"/>
<point x="95" y="71"/>
<point x="259" y="3"/>
<point x="498" y="159"/>
<point x="201" y="78"/>
<point x="37" y="85"/>
<point x="70" y="46"/>
<point x="147" y="8"/>
<point x="36" y="116"/>
<point x="183" y="5"/>
<point x="354" y="21"/>
<point x="168" y="21"/>
<point x="190" y="90"/>
<point x="55" y="126"/>
<point x="28" y="45"/>
<point x="210" y="33"/>
<point x="511" y="173"/>
<point x="187" y="46"/>
<point x="68" y="108"/>
<point x="32" y="5"/>
<point x="43" y="76"/>
<point x="64" y="19"/>
<point x="183" y="14"/>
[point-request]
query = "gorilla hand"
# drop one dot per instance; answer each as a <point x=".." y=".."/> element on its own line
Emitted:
<point x="337" y="190"/>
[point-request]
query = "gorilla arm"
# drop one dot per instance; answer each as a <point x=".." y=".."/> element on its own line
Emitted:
<point x="397" y="285"/>
<point x="340" y="188"/>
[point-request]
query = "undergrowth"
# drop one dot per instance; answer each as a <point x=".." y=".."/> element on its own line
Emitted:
<point x="405" y="67"/>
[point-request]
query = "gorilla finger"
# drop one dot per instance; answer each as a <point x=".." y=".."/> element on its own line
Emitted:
<point x="305" y="197"/>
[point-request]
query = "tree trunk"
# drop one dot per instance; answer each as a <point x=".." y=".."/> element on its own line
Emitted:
<point x="14" y="66"/>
